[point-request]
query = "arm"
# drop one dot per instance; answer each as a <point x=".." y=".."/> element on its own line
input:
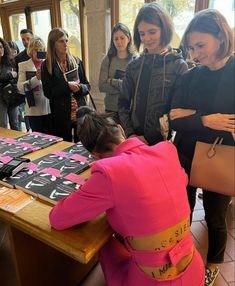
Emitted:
<point x="186" y="119"/>
<point x="90" y="200"/>
<point x="84" y="84"/>
<point x="54" y="87"/>
<point x="22" y="82"/>
<point x="106" y="83"/>
<point x="125" y="101"/>
<point x="183" y="118"/>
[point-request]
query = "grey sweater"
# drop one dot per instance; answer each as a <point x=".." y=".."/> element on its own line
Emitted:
<point x="112" y="91"/>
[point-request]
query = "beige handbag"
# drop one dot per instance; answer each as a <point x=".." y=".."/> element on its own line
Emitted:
<point x="213" y="167"/>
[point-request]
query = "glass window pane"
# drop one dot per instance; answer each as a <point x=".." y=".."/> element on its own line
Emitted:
<point x="41" y="24"/>
<point x="228" y="9"/>
<point x="71" y="23"/>
<point x="17" y="23"/>
<point x="181" y="12"/>
<point x="128" y="11"/>
<point x="1" y="33"/>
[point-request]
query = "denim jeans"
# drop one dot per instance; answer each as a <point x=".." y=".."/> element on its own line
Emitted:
<point x="11" y="114"/>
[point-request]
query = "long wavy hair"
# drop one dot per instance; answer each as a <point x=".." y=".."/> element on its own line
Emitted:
<point x="51" y="57"/>
<point x="112" y="51"/>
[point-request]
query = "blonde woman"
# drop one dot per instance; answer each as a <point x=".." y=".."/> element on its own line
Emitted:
<point x="29" y="80"/>
<point x="65" y="95"/>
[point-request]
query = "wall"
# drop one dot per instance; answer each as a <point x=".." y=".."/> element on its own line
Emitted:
<point x="98" y="34"/>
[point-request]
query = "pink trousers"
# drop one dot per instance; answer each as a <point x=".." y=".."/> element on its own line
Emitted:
<point x="121" y="270"/>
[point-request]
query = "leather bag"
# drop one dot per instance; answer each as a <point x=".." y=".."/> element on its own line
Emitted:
<point x="10" y="95"/>
<point x="213" y="167"/>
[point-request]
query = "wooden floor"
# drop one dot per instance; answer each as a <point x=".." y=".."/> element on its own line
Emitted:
<point x="199" y="231"/>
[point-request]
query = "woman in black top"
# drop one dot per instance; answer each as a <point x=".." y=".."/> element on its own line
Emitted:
<point x="7" y="74"/>
<point x="203" y="109"/>
<point x="65" y="94"/>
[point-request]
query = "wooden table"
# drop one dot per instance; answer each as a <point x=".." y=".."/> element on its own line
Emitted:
<point x="44" y="256"/>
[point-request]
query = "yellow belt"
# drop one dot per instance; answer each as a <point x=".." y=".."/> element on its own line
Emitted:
<point x="162" y="241"/>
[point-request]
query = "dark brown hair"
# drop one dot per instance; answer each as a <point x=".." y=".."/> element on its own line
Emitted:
<point x="112" y="51"/>
<point x="7" y="59"/>
<point x="153" y="13"/>
<point x="211" y="21"/>
<point x="97" y="132"/>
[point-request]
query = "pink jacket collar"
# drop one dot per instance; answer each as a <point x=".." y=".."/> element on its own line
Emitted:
<point x="127" y="145"/>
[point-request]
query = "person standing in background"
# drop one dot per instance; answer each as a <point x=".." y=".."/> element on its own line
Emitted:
<point x="202" y="109"/>
<point x="30" y="79"/>
<point x="7" y="74"/>
<point x="113" y="67"/>
<point x="65" y="95"/>
<point x="26" y="35"/>
<point x="145" y="99"/>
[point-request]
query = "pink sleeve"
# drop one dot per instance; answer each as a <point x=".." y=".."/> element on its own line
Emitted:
<point x="90" y="200"/>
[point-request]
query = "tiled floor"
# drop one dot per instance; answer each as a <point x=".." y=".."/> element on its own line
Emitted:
<point x="199" y="231"/>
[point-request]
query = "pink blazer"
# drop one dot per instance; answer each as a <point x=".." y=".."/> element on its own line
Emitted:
<point x="141" y="188"/>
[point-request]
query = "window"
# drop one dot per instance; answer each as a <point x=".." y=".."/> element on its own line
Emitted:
<point x="228" y="10"/>
<point x="181" y="12"/>
<point x="41" y="24"/>
<point x="128" y="11"/>
<point x="17" y="23"/>
<point x="1" y="33"/>
<point x="70" y="17"/>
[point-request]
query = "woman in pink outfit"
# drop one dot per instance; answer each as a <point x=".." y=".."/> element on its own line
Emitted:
<point x="143" y="191"/>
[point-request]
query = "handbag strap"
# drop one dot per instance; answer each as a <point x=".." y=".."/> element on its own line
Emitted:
<point x="212" y="150"/>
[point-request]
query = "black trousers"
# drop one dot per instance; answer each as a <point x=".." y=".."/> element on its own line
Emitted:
<point x="215" y="206"/>
<point x="41" y="123"/>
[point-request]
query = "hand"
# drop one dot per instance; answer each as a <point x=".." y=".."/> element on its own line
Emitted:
<point x="74" y="86"/>
<point x="218" y="121"/>
<point x="180" y="112"/>
<point x="38" y="74"/>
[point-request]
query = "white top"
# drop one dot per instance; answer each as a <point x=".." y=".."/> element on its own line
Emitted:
<point x="42" y="105"/>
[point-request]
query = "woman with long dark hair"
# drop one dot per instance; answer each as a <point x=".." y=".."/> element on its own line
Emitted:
<point x="7" y="74"/>
<point x="65" y="94"/>
<point x="113" y="67"/>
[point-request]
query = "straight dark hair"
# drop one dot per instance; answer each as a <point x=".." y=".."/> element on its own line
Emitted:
<point x="211" y="21"/>
<point x="25" y="31"/>
<point x="153" y="13"/>
<point x="7" y="59"/>
<point x="112" y="51"/>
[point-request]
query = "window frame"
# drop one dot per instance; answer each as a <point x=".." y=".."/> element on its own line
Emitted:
<point x="11" y="8"/>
